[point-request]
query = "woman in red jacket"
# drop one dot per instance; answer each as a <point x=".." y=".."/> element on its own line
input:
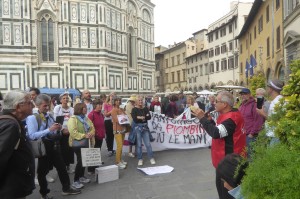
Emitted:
<point x="97" y="118"/>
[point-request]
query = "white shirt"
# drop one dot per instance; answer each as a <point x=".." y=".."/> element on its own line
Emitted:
<point x="270" y="131"/>
<point x="60" y="111"/>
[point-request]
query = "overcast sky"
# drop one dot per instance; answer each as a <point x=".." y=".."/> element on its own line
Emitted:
<point x="176" y="21"/>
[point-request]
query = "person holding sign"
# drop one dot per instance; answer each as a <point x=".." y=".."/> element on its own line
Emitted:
<point x="227" y="134"/>
<point x="140" y="116"/>
<point x="119" y="130"/>
<point x="82" y="132"/>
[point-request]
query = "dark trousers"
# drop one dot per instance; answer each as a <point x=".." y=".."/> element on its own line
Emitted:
<point x="98" y="144"/>
<point x="79" y="170"/>
<point x="109" y="135"/>
<point x="66" y="150"/>
<point x="53" y="158"/>
<point x="222" y="191"/>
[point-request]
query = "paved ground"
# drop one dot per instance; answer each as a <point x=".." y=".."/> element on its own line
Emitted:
<point x="192" y="178"/>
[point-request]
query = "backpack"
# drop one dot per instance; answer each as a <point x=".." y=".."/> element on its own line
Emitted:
<point x="20" y="129"/>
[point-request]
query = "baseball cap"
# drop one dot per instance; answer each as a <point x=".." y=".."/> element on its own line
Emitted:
<point x="245" y="90"/>
<point x="276" y="84"/>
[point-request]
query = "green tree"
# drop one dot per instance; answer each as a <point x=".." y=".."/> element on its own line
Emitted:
<point x="273" y="172"/>
<point x="257" y="81"/>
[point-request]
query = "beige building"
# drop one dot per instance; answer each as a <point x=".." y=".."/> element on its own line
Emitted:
<point x="174" y="65"/>
<point x="201" y="40"/>
<point x="291" y="31"/>
<point x="262" y="37"/>
<point x="197" y="71"/>
<point x="223" y="48"/>
<point x="159" y="69"/>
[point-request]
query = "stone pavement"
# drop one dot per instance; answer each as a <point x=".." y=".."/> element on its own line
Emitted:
<point x="193" y="178"/>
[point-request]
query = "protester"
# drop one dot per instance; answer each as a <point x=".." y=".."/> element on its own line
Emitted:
<point x="119" y="131"/>
<point x="80" y="128"/>
<point x="66" y="111"/>
<point x="97" y="118"/>
<point x="232" y="170"/>
<point x="164" y="103"/>
<point x="274" y="88"/>
<point x="42" y="125"/>
<point x="107" y="107"/>
<point x="103" y="97"/>
<point x="140" y="116"/>
<point x="16" y="158"/>
<point x="155" y="105"/>
<point x="87" y="99"/>
<point x="34" y="92"/>
<point x="181" y="102"/>
<point x="172" y="110"/>
<point x="227" y="134"/>
<point x="190" y="101"/>
<point x="210" y="106"/>
<point x="199" y="100"/>
<point x="129" y="106"/>
<point x="253" y="121"/>
<point x="261" y="93"/>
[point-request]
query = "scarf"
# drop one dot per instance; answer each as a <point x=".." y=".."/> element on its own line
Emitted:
<point x="83" y="120"/>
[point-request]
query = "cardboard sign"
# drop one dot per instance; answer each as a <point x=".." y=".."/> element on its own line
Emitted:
<point x="91" y="157"/>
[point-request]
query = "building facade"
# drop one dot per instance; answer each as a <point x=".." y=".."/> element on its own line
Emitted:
<point x="103" y="46"/>
<point x="223" y="48"/>
<point x="174" y="65"/>
<point x="197" y="71"/>
<point x="262" y="37"/>
<point x="291" y="31"/>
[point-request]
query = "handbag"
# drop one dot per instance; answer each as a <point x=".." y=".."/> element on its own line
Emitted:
<point x="38" y="148"/>
<point x="83" y="143"/>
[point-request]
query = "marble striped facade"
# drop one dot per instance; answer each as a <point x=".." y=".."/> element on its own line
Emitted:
<point x="103" y="46"/>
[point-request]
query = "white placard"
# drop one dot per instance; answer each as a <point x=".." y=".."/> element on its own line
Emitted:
<point x="91" y="157"/>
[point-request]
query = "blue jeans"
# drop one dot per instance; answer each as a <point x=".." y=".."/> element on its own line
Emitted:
<point x="249" y="142"/>
<point x="143" y="135"/>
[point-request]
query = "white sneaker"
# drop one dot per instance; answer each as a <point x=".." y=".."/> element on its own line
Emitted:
<point x="123" y="162"/>
<point x="140" y="163"/>
<point x="84" y="180"/>
<point x="131" y="155"/>
<point x="49" y="179"/>
<point x="77" y="185"/>
<point x="152" y="161"/>
<point x="121" y="165"/>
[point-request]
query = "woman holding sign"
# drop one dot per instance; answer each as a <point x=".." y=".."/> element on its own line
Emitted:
<point x="118" y="118"/>
<point x="140" y="116"/>
<point x="82" y="132"/>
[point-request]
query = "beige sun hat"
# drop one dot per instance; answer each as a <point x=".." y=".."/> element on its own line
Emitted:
<point x="132" y="98"/>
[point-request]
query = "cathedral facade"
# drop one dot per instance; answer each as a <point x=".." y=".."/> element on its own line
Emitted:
<point x="103" y="45"/>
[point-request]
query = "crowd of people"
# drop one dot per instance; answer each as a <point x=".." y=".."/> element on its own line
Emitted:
<point x="31" y="116"/>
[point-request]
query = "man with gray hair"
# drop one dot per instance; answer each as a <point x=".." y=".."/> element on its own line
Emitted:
<point x="227" y="134"/>
<point x="42" y="125"/>
<point x="16" y="158"/>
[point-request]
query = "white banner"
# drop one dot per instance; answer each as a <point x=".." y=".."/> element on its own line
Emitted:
<point x="177" y="133"/>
